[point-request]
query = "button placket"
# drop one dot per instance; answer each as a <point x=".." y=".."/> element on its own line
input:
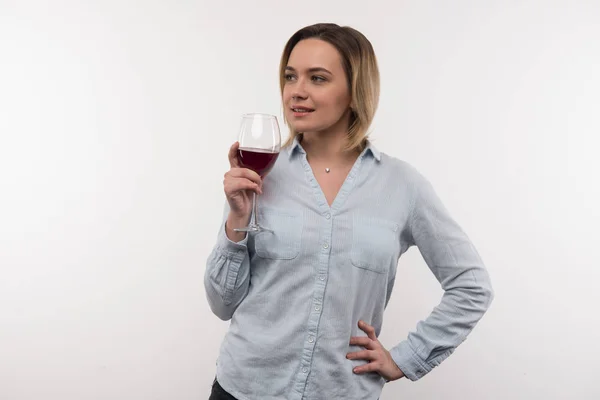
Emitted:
<point x="320" y="284"/>
<point x="322" y="224"/>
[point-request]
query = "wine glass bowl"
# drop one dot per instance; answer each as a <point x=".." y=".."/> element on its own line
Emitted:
<point x="260" y="143"/>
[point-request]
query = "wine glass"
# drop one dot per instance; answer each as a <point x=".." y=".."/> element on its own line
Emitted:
<point x="260" y="142"/>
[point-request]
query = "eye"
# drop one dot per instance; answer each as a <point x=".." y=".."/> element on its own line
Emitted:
<point x="317" y="78"/>
<point x="288" y="77"/>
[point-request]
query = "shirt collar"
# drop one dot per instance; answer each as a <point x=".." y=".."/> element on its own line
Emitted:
<point x="371" y="148"/>
<point x="296" y="147"/>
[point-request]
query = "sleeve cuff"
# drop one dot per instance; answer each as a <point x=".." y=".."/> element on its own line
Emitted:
<point x="227" y="246"/>
<point x="408" y="362"/>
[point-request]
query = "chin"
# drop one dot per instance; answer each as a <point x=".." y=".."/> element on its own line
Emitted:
<point x="303" y="127"/>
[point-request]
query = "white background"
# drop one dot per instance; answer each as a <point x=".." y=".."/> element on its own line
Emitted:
<point x="115" y="120"/>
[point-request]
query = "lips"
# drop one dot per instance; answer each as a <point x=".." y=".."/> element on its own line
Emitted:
<point x="301" y="109"/>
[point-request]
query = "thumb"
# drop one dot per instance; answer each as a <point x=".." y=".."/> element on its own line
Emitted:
<point x="368" y="329"/>
<point x="234" y="162"/>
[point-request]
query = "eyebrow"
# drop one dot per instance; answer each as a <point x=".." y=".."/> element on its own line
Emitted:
<point x="314" y="69"/>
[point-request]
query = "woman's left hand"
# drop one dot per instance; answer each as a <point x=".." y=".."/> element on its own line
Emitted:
<point x="380" y="359"/>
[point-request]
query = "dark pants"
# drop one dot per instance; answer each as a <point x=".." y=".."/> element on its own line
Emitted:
<point x="218" y="393"/>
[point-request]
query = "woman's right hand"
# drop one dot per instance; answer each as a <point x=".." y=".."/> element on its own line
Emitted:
<point x="239" y="183"/>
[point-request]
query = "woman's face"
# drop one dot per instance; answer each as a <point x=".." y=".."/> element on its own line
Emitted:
<point x="315" y="95"/>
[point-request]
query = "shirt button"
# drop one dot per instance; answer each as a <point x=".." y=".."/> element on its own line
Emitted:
<point x="311" y="339"/>
<point x="322" y="278"/>
<point x="317" y="308"/>
<point x="328" y="216"/>
<point x="325" y="245"/>
<point x="305" y="370"/>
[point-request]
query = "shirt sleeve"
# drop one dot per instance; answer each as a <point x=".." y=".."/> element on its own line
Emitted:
<point x="455" y="263"/>
<point x="227" y="275"/>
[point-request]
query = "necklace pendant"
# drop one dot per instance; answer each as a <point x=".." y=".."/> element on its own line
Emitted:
<point x="327" y="170"/>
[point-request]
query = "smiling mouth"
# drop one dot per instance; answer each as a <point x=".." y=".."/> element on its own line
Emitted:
<point x="302" y="110"/>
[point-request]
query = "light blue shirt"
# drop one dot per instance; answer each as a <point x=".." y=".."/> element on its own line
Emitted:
<point x="295" y="295"/>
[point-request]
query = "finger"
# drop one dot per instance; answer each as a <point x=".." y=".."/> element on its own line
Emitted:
<point x="362" y="355"/>
<point x="234" y="162"/>
<point x="233" y="185"/>
<point x="373" y="366"/>
<point x="244" y="173"/>
<point x="362" y="341"/>
<point x="368" y="329"/>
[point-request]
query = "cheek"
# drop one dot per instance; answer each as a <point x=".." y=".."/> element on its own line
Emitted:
<point x="286" y="96"/>
<point x="344" y="97"/>
<point x="339" y="101"/>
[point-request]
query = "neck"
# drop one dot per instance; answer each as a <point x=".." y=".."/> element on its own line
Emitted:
<point x="328" y="148"/>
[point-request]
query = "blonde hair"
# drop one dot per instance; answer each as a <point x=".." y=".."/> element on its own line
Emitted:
<point x="360" y="65"/>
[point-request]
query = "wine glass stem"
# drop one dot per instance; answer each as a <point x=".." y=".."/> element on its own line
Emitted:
<point x="254" y="220"/>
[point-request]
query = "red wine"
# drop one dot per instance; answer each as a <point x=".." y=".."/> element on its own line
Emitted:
<point x="258" y="160"/>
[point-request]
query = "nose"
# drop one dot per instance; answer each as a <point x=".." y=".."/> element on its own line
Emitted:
<point x="299" y="90"/>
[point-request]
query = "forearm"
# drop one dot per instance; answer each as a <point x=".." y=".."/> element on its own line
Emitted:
<point x="227" y="275"/>
<point x="467" y="296"/>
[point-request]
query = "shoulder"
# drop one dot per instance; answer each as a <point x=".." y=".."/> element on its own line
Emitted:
<point x="407" y="178"/>
<point x="401" y="169"/>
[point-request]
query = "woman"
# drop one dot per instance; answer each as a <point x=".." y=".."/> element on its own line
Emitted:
<point x="306" y="301"/>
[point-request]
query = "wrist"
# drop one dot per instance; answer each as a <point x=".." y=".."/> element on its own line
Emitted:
<point x="237" y="221"/>
<point x="233" y="222"/>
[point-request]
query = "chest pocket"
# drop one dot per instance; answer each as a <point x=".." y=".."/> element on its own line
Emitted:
<point x="375" y="243"/>
<point x="284" y="242"/>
